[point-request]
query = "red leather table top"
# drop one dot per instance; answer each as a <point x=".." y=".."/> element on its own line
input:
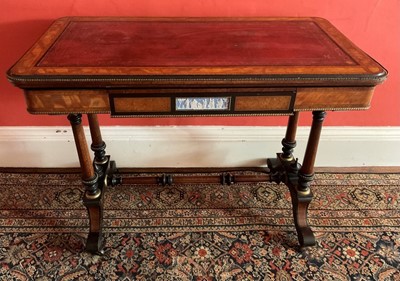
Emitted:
<point x="114" y="50"/>
<point x="163" y="43"/>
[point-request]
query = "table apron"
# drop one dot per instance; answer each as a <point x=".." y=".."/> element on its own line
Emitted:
<point x="197" y="102"/>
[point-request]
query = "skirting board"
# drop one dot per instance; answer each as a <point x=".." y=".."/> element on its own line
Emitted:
<point x="199" y="146"/>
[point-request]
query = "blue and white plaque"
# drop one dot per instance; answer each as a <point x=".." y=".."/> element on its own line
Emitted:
<point x="202" y="103"/>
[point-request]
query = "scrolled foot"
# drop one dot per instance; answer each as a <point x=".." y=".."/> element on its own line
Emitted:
<point x="306" y="237"/>
<point x="300" y="203"/>
<point x="94" y="243"/>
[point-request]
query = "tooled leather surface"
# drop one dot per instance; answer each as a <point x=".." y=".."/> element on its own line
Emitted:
<point x="147" y="44"/>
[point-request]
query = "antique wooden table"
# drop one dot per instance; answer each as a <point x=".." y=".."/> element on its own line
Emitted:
<point x="159" y="67"/>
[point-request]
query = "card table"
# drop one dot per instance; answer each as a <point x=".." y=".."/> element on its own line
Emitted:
<point x="177" y="67"/>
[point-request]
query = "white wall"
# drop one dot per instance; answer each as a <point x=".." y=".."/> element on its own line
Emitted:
<point x="199" y="146"/>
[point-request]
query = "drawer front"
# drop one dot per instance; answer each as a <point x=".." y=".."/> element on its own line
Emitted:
<point x="279" y="103"/>
<point x="198" y="103"/>
<point x="137" y="105"/>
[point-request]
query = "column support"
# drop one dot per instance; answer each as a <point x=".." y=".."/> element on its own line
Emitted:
<point x="98" y="146"/>
<point x="93" y="196"/>
<point x="302" y="195"/>
<point x="289" y="142"/>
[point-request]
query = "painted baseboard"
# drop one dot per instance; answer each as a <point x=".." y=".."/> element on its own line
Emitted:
<point x="199" y="146"/>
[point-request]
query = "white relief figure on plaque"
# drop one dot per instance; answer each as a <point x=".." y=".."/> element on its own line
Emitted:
<point x="202" y="103"/>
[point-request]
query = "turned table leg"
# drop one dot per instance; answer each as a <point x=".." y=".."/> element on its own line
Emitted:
<point x="303" y="195"/>
<point x="289" y="142"/>
<point x="92" y="198"/>
<point x="98" y="145"/>
<point x="282" y="165"/>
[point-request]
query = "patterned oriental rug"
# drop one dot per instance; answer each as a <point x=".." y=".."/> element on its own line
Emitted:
<point x="200" y="232"/>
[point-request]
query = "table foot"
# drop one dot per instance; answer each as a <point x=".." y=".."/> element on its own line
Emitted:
<point x="283" y="170"/>
<point x="94" y="244"/>
<point x="94" y="205"/>
<point x="95" y="210"/>
<point x="300" y="204"/>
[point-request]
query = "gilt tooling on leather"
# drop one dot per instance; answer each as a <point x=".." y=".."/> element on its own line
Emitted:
<point x="135" y="43"/>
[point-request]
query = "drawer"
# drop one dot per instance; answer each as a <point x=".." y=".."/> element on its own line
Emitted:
<point x="198" y="102"/>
